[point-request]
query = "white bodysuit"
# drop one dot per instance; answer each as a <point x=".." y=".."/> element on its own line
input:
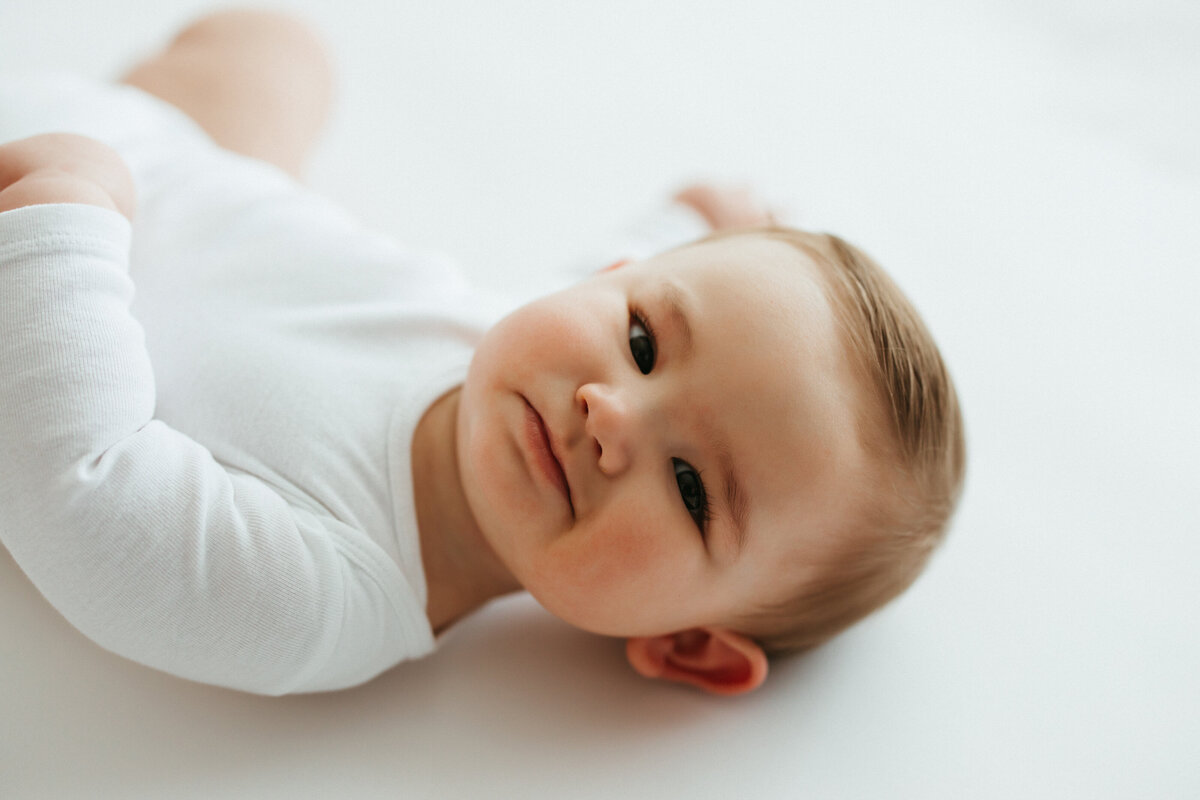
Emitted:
<point x="206" y="416"/>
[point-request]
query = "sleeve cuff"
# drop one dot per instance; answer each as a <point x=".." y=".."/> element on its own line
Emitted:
<point x="28" y="228"/>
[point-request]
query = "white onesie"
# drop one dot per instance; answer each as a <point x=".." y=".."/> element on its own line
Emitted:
<point x="206" y="417"/>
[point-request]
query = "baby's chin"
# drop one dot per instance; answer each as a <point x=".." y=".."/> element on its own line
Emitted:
<point x="578" y="616"/>
<point x="595" y="618"/>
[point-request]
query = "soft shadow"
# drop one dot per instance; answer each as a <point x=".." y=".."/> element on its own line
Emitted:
<point x="510" y="687"/>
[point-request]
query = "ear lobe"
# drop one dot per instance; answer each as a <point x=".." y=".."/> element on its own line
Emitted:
<point x="714" y="659"/>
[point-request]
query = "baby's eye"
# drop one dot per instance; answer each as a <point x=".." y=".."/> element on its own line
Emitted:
<point x="691" y="489"/>
<point x="641" y="343"/>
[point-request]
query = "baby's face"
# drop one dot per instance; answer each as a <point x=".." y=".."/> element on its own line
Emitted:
<point x="702" y="412"/>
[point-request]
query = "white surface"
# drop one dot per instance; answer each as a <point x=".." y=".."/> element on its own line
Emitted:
<point x="1030" y="172"/>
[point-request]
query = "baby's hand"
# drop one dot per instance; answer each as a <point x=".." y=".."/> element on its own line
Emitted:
<point x="726" y="207"/>
<point x="64" y="168"/>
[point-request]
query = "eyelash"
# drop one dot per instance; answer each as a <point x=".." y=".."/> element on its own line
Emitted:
<point x="703" y="515"/>
<point x="637" y="315"/>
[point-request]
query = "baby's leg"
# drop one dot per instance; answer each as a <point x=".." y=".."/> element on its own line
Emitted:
<point x="260" y="83"/>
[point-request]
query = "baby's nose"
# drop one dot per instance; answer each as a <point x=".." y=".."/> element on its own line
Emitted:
<point x="611" y="424"/>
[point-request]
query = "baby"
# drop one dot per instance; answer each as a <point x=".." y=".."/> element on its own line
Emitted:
<point x="304" y="451"/>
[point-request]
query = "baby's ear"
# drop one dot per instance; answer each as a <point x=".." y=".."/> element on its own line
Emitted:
<point x="714" y="659"/>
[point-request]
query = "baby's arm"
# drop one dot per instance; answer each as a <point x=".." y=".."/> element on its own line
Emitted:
<point x="129" y="528"/>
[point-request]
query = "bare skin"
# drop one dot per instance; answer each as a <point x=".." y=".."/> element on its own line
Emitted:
<point x="64" y="168"/>
<point x="726" y="206"/>
<point x="259" y="82"/>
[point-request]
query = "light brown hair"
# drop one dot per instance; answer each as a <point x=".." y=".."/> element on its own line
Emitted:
<point x="913" y="429"/>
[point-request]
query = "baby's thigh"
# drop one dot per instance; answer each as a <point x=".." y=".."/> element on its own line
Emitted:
<point x="260" y="83"/>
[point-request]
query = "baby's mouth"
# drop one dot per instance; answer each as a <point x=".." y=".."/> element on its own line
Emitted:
<point x="541" y="444"/>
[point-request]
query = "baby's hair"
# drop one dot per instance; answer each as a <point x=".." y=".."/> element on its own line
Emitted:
<point x="912" y="430"/>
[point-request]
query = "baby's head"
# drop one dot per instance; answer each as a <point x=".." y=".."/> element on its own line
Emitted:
<point x="753" y="443"/>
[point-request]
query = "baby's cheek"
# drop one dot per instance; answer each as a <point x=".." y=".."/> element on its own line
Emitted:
<point x="619" y="559"/>
<point x="606" y="578"/>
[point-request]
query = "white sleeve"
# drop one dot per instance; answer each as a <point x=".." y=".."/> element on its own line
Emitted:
<point x="132" y="530"/>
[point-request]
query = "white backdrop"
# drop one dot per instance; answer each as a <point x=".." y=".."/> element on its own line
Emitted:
<point x="1028" y="171"/>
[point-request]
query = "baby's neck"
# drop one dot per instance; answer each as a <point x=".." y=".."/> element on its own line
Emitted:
<point x="462" y="571"/>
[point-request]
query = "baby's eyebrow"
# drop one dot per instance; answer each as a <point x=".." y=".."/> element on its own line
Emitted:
<point x="678" y="310"/>
<point x="736" y="501"/>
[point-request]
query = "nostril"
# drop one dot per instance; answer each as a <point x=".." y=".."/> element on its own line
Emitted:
<point x="585" y="406"/>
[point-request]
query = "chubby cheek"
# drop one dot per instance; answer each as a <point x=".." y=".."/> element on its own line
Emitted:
<point x="556" y="330"/>
<point x="615" y="580"/>
<point x="498" y="479"/>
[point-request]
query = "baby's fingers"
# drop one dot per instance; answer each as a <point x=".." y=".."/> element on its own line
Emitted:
<point x="726" y="206"/>
<point x="64" y="168"/>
